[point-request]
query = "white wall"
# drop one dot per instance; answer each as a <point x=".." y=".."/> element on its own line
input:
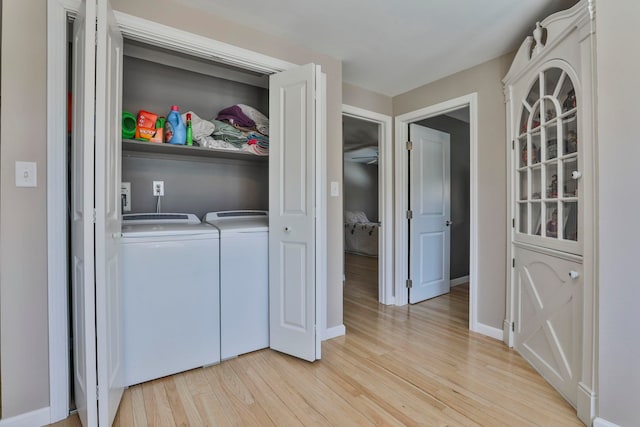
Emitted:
<point x="618" y="34"/>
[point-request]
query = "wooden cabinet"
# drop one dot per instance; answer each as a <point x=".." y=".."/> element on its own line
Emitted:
<point x="550" y="94"/>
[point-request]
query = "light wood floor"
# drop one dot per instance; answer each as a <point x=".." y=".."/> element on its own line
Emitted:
<point x="396" y="366"/>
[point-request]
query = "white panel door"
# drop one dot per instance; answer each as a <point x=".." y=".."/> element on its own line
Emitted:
<point x="108" y="156"/>
<point x="82" y="192"/>
<point x="548" y="326"/>
<point x="292" y="204"/>
<point x="429" y="201"/>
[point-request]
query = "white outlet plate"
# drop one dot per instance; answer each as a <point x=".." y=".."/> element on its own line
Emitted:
<point x="158" y="188"/>
<point x="26" y="174"/>
<point x="125" y="194"/>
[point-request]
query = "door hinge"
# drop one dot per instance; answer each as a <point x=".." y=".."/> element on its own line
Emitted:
<point x="97" y="393"/>
<point x="513" y="223"/>
<point x="409" y="145"/>
<point x="513" y="262"/>
<point x="94" y="214"/>
<point x="513" y="326"/>
<point x="409" y="214"/>
<point x="409" y="283"/>
<point x="513" y="144"/>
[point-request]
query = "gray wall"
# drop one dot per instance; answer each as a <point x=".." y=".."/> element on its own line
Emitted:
<point x="155" y="87"/>
<point x="618" y="153"/>
<point x="23" y="221"/>
<point x="485" y="79"/>
<point x="194" y="185"/>
<point x="460" y="202"/>
<point x="362" y="98"/>
<point x="361" y="189"/>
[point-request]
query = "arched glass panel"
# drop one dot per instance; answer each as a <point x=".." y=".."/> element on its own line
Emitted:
<point x="547" y="159"/>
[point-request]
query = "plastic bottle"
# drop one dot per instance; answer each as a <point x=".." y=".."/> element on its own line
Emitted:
<point x="189" y="138"/>
<point x="175" y="131"/>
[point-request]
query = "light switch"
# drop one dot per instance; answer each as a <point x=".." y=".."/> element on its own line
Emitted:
<point x="26" y="174"/>
<point x="335" y="188"/>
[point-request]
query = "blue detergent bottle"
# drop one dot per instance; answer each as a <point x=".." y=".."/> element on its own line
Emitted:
<point x="175" y="131"/>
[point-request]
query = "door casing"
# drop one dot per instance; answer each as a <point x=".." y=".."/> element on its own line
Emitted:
<point x="385" y="199"/>
<point x="401" y="230"/>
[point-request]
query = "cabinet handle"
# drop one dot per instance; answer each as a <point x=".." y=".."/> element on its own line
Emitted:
<point x="448" y="223"/>
<point x="574" y="274"/>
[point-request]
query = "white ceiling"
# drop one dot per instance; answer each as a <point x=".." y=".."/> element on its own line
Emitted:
<point x="393" y="46"/>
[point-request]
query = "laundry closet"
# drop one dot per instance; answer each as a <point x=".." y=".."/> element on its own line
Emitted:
<point x="196" y="180"/>
<point x="135" y="65"/>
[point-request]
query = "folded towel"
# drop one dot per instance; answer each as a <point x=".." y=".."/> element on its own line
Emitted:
<point x="236" y="116"/>
<point x="261" y="121"/>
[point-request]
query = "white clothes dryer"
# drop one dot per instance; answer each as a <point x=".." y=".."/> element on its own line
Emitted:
<point x="170" y="275"/>
<point x="244" y="280"/>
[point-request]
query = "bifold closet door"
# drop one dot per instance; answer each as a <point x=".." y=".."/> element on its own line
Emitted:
<point x="293" y="305"/>
<point x="96" y="292"/>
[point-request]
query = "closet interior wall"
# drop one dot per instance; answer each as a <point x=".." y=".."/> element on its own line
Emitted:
<point x="192" y="184"/>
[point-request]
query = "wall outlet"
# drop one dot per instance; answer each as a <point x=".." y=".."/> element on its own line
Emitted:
<point x="158" y="188"/>
<point x="125" y="195"/>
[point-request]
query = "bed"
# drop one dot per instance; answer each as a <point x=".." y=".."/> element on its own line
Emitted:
<point x="360" y="234"/>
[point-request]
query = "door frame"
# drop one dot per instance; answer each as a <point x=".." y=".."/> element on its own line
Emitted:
<point x="139" y="29"/>
<point x="385" y="198"/>
<point x="401" y="229"/>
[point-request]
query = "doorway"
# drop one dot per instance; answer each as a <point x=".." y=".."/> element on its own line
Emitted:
<point x="402" y="122"/>
<point x="367" y="195"/>
<point x="455" y="126"/>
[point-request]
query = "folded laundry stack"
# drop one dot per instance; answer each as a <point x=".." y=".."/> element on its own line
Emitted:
<point x="252" y="125"/>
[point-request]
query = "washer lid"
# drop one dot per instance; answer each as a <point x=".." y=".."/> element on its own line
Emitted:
<point x="167" y="229"/>
<point x="239" y="221"/>
<point x="154" y="218"/>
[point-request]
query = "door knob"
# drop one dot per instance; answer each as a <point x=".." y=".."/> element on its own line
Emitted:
<point x="287" y="229"/>
<point x="574" y="274"/>
<point x="448" y="223"/>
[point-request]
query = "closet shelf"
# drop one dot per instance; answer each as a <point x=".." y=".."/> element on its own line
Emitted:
<point x="185" y="150"/>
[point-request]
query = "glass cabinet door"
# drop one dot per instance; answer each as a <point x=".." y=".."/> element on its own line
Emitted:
<point x="547" y="173"/>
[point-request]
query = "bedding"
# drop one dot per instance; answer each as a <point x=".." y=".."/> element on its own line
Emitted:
<point x="360" y="234"/>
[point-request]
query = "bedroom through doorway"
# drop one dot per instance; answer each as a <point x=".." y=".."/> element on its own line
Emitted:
<point x="361" y="202"/>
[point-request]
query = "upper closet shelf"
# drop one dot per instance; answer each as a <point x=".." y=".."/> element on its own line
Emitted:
<point x="185" y="150"/>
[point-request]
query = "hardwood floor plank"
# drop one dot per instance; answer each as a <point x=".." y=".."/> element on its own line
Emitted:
<point x="156" y="403"/>
<point x="275" y="408"/>
<point x="124" y="417"/>
<point x="139" y="410"/>
<point x="396" y="366"/>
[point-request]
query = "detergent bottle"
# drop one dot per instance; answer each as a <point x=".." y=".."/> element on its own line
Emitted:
<point x="189" y="130"/>
<point x="174" y="129"/>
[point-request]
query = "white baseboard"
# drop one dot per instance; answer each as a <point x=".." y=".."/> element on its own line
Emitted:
<point x="459" y="281"/>
<point x="586" y="403"/>
<point x="336" y="331"/>
<point x="489" y="331"/>
<point x="600" y="422"/>
<point x="39" y="417"/>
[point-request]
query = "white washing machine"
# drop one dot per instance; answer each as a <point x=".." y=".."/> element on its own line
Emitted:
<point x="244" y="280"/>
<point x="170" y="275"/>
